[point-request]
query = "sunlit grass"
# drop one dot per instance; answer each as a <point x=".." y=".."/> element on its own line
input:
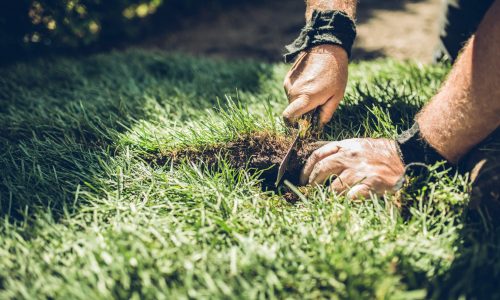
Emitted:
<point x="86" y="215"/>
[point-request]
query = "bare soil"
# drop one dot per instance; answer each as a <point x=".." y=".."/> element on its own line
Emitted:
<point x="403" y="29"/>
<point x="261" y="152"/>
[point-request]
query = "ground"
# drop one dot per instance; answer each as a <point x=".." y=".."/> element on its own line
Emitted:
<point x="146" y="174"/>
<point x="92" y="206"/>
<point x="402" y="29"/>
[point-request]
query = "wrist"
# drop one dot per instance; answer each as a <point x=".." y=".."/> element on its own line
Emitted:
<point x="321" y="6"/>
<point x="413" y="148"/>
<point x="326" y="49"/>
<point x="331" y="27"/>
<point x="347" y="6"/>
<point x="440" y="139"/>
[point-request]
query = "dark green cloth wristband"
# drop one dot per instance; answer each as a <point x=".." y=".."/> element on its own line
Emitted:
<point x="414" y="149"/>
<point x="325" y="27"/>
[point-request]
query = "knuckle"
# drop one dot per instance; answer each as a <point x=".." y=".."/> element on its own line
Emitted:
<point x="346" y="181"/>
<point x="377" y="179"/>
<point x="315" y="156"/>
<point x="353" y="154"/>
<point x="288" y="116"/>
<point x="313" y="176"/>
<point x="303" y="96"/>
<point x="320" y="167"/>
<point x="287" y="84"/>
<point x="285" y="114"/>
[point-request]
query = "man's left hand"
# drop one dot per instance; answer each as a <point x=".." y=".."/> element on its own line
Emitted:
<point x="362" y="166"/>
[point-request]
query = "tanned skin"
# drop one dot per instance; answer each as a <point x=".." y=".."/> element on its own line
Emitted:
<point x="319" y="75"/>
<point x="463" y="113"/>
<point x="347" y="6"/>
<point x="467" y="109"/>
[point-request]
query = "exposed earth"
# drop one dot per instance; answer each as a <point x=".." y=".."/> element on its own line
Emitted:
<point x="260" y="152"/>
<point x="401" y="29"/>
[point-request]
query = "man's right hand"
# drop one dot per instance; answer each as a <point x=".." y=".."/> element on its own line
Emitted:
<point x="317" y="79"/>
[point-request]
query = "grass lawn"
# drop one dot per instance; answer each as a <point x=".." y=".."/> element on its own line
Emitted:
<point x="86" y="213"/>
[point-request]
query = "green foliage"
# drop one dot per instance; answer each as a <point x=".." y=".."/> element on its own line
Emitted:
<point x="34" y="26"/>
<point x="85" y="215"/>
<point x="70" y="23"/>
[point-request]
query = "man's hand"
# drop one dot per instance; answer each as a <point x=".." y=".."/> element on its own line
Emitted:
<point x="317" y="79"/>
<point x="363" y="166"/>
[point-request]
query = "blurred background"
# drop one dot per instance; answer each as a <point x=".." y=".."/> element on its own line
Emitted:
<point x="255" y="29"/>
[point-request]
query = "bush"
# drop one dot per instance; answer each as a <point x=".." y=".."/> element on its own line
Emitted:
<point x="34" y="26"/>
<point x="70" y="23"/>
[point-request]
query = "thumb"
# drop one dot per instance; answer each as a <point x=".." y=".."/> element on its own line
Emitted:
<point x="297" y="108"/>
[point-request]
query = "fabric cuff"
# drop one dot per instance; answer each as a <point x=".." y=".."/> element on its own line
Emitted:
<point x="413" y="148"/>
<point x="325" y="27"/>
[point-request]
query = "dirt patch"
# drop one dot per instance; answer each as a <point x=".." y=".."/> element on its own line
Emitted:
<point x="403" y="29"/>
<point x="260" y="152"/>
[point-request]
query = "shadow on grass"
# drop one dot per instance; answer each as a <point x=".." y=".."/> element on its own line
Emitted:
<point x="61" y="119"/>
<point x="475" y="272"/>
<point x="359" y="54"/>
<point x="370" y="114"/>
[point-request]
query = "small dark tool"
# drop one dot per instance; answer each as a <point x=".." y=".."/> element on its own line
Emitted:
<point x="308" y="127"/>
<point x="286" y="159"/>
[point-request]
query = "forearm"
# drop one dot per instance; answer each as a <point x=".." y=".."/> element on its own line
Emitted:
<point x="348" y="6"/>
<point x="467" y="108"/>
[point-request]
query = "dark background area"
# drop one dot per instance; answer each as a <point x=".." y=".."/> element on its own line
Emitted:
<point x="33" y="27"/>
<point x="258" y="29"/>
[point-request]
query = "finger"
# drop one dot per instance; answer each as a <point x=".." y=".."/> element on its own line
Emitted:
<point x="297" y="108"/>
<point x="360" y="191"/>
<point x="327" y="110"/>
<point x="339" y="185"/>
<point x="331" y="165"/>
<point x="316" y="156"/>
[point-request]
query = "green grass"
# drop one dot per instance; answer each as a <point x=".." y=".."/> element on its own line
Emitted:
<point x="84" y="214"/>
